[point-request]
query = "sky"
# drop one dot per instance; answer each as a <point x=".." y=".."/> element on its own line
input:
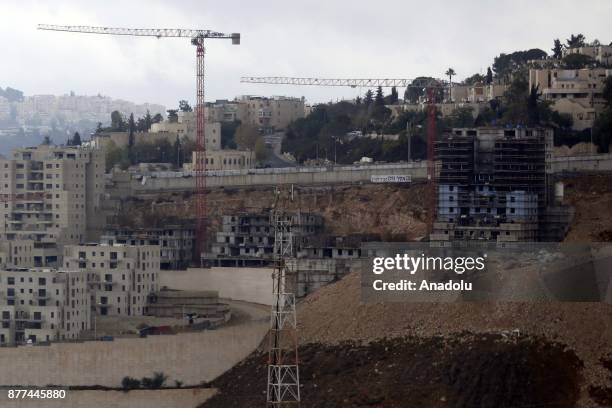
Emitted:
<point x="326" y="39"/>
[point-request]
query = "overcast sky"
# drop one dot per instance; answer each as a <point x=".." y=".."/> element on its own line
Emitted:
<point x="345" y="39"/>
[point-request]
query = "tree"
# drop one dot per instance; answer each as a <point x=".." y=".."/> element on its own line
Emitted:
<point x="129" y="383"/>
<point x="358" y="100"/>
<point x="450" y="73"/>
<point x="172" y="115"/>
<point x="489" y="78"/>
<point x="369" y="97"/>
<point x="557" y="49"/>
<point x="157" y="119"/>
<point x="475" y="79"/>
<point x="99" y="128"/>
<point x="575" y="41"/>
<point x="131" y="129"/>
<point x="260" y="150"/>
<point x="379" y="100"/>
<point x="506" y="64"/>
<point x="177" y="152"/>
<point x="76" y="139"/>
<point x="533" y="114"/>
<point x="577" y="61"/>
<point x="246" y="136"/>
<point x="147" y="122"/>
<point x="47" y="140"/>
<point x="184" y="106"/>
<point x="117" y="123"/>
<point x="607" y="91"/>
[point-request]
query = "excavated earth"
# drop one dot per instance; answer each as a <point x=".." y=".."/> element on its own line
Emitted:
<point x="392" y="212"/>
<point x="461" y="371"/>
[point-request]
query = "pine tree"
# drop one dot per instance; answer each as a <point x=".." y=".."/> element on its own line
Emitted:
<point x="369" y="97"/>
<point x="380" y="98"/>
<point x="489" y="76"/>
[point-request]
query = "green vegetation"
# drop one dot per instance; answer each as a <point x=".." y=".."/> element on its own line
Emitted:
<point x="154" y="383"/>
<point x="602" y="129"/>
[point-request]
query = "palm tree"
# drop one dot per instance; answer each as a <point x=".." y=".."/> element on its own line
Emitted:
<point x="450" y="72"/>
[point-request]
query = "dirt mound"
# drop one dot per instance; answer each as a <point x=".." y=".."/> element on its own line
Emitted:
<point x="335" y="314"/>
<point x="465" y="371"/>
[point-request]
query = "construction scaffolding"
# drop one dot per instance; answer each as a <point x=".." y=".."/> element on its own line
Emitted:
<point x="492" y="184"/>
<point x="283" y="371"/>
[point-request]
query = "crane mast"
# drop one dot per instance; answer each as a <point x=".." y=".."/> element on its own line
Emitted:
<point x="197" y="39"/>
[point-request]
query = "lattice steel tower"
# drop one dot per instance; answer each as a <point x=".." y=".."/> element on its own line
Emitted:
<point x="283" y="370"/>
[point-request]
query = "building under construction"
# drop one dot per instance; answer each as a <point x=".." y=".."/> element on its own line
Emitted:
<point x="495" y="184"/>
<point x="247" y="239"/>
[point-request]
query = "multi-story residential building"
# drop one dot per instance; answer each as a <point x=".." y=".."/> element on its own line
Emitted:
<point x="493" y="184"/>
<point x="576" y="92"/>
<point x="120" y="277"/>
<point x="52" y="196"/>
<point x="248" y="239"/>
<point x="271" y="114"/>
<point x="176" y="241"/>
<point x="267" y="114"/>
<point x="40" y="305"/>
<point x="600" y="53"/>
<point x="477" y="93"/>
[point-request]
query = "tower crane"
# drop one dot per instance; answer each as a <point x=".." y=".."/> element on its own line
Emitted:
<point x="197" y="38"/>
<point x="429" y="85"/>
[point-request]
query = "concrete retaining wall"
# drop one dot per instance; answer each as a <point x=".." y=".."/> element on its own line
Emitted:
<point x="122" y="184"/>
<point x="247" y="284"/>
<point x="187" y="357"/>
<point x="595" y="162"/>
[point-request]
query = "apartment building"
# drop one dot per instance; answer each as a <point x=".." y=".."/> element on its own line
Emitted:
<point x="267" y="114"/>
<point x="41" y="305"/>
<point x="477" y="93"/>
<point x="600" y="53"/>
<point x="52" y="196"/>
<point x="576" y="92"/>
<point x="271" y="114"/>
<point x="120" y="277"/>
<point x="176" y="241"/>
<point x="493" y="184"/>
<point x="247" y="239"/>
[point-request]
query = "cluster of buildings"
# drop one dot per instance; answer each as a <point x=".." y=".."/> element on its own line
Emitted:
<point x="266" y="115"/>
<point x="49" y="110"/>
<point x="52" y="281"/>
<point x="577" y="93"/>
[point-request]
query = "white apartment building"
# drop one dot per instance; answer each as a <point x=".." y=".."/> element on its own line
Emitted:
<point x="43" y="305"/>
<point x="120" y="276"/>
<point x="51" y="196"/>
<point x="576" y="92"/>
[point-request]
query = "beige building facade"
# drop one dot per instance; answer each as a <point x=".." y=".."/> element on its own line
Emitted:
<point x="41" y="305"/>
<point x="224" y="160"/>
<point x="120" y="276"/>
<point x="52" y="197"/>
<point x="576" y="92"/>
<point x="600" y="53"/>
